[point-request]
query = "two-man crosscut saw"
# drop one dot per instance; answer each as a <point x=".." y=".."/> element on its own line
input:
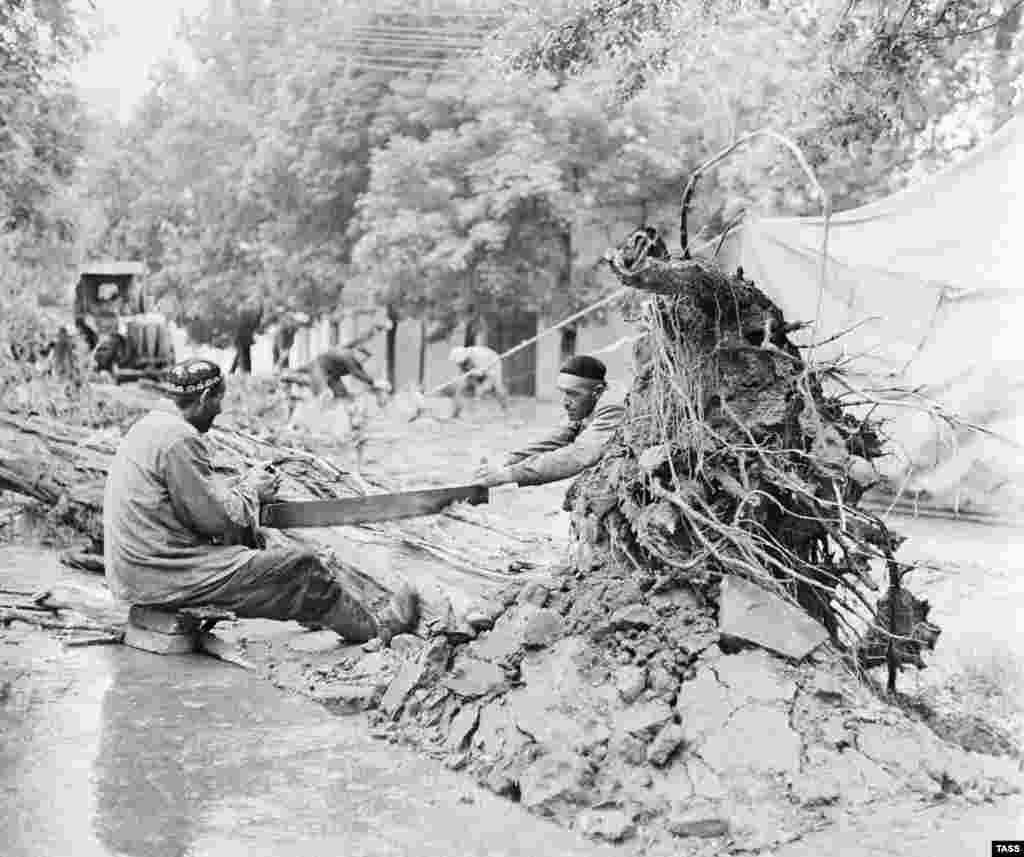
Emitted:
<point x="368" y="508"/>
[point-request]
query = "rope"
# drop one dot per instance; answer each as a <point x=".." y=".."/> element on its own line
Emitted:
<point x="619" y="343"/>
<point x="528" y="342"/>
<point x="574" y="317"/>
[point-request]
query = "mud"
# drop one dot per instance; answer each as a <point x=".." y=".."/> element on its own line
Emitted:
<point x="111" y="751"/>
<point x="617" y="713"/>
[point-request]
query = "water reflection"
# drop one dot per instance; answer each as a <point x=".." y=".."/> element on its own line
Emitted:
<point x="48" y="742"/>
<point x="150" y="793"/>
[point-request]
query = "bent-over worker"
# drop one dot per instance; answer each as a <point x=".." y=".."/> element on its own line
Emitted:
<point x="328" y="370"/>
<point x="593" y="417"/>
<point x="481" y="370"/>
<point x="172" y="527"/>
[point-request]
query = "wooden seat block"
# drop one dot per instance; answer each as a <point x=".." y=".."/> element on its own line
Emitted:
<point x="170" y="631"/>
<point x="207" y="614"/>
<point x="207" y="617"/>
<point x="162" y="621"/>
<point x="161" y="644"/>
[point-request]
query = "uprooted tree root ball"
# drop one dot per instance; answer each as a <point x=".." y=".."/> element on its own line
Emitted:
<point x="732" y="460"/>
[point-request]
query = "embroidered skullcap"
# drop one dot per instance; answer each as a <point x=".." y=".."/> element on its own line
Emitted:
<point x="584" y="366"/>
<point x="191" y="377"/>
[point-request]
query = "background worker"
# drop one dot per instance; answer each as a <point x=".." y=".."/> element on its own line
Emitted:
<point x="592" y="414"/>
<point x="481" y="367"/>
<point x="328" y="369"/>
<point x="178" y="534"/>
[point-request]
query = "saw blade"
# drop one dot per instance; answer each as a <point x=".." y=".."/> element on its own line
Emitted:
<point x="369" y="508"/>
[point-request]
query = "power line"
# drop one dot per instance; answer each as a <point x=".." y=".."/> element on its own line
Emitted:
<point x="429" y="29"/>
<point x="404" y="69"/>
<point x="423" y="31"/>
<point x="422" y="59"/>
<point x="465" y="15"/>
<point x="410" y="49"/>
<point x="469" y="38"/>
<point x="360" y="55"/>
<point x="397" y="62"/>
<point x="412" y="43"/>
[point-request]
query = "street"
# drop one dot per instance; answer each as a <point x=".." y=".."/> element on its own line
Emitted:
<point x="110" y="751"/>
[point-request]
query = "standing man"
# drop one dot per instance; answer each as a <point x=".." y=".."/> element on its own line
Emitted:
<point x="63" y="360"/>
<point x="178" y="534"/>
<point x="481" y="367"/>
<point x="248" y="323"/>
<point x="593" y="417"/>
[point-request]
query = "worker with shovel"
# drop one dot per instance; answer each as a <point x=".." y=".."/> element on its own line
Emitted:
<point x="481" y="376"/>
<point x="179" y="534"/>
<point x="593" y="416"/>
<point x="329" y="369"/>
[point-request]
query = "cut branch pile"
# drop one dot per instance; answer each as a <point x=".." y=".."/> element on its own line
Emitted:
<point x="456" y="559"/>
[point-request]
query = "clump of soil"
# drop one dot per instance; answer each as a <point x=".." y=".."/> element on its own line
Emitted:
<point x="616" y="710"/>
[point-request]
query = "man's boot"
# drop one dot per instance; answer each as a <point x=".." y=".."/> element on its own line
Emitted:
<point x="350" y="618"/>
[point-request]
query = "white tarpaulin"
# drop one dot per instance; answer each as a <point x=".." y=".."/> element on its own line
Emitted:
<point x="934" y="277"/>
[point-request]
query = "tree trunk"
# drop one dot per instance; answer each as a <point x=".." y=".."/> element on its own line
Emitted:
<point x="470" y="333"/>
<point x="567" y="345"/>
<point x="1005" y="64"/>
<point x="391" y="345"/>
<point x="421" y="378"/>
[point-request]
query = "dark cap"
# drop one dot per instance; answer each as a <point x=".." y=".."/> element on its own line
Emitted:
<point x="192" y="377"/>
<point x="584" y="366"/>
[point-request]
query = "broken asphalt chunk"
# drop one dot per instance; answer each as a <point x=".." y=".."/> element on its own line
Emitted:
<point x="751" y="613"/>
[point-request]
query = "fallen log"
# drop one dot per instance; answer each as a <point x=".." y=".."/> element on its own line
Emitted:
<point x="461" y="555"/>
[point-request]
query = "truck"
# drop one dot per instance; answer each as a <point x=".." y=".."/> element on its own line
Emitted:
<point x="126" y="337"/>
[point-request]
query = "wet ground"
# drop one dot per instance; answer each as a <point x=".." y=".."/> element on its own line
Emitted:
<point x="109" y="751"/>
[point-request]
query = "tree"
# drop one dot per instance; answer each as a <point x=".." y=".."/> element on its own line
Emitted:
<point x="478" y="218"/>
<point x="280" y="167"/>
<point x="877" y="89"/>
<point x="497" y="213"/>
<point x="41" y="128"/>
<point x="237" y="178"/>
<point x="177" y="177"/>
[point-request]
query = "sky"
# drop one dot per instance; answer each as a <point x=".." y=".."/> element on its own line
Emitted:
<point x="141" y="32"/>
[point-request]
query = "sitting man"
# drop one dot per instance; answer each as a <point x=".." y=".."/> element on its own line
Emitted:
<point x="575" y="446"/>
<point x="481" y="370"/>
<point x="175" y="530"/>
